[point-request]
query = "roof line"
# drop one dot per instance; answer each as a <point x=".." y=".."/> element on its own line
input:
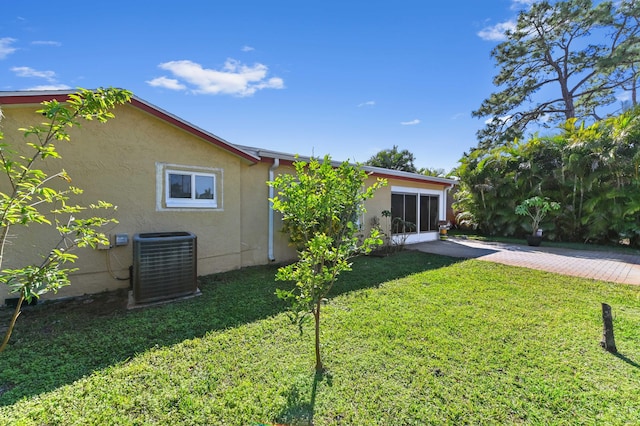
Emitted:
<point x="37" y="97"/>
<point x="193" y="129"/>
<point x="251" y="154"/>
<point x="376" y="171"/>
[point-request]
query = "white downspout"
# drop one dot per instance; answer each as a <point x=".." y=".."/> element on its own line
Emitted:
<point x="272" y="169"/>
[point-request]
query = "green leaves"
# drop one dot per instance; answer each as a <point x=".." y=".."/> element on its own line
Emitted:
<point x="33" y="198"/>
<point x="319" y="206"/>
<point x="394" y="159"/>
<point x="559" y="45"/>
<point x="34" y="280"/>
<point x="593" y="170"/>
<point x="536" y="208"/>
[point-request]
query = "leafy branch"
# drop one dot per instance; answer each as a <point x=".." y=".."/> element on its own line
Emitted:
<point x="34" y="199"/>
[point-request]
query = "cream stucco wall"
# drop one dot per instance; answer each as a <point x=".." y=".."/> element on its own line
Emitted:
<point x="117" y="162"/>
<point x="122" y="161"/>
<point x="255" y="213"/>
<point x="374" y="208"/>
<point x="382" y="201"/>
<point x="283" y="251"/>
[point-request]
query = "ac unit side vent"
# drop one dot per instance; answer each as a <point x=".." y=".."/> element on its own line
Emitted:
<point x="164" y="266"/>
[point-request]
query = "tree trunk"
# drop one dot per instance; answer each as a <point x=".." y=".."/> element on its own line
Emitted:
<point x="316" y="315"/>
<point x="12" y="324"/>
<point x="608" y="342"/>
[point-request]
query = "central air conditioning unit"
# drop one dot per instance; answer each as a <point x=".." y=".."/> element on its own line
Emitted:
<point x="164" y="266"/>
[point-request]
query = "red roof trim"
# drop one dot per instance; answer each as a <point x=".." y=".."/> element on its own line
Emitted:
<point x="191" y="129"/>
<point x="37" y="98"/>
<point x="284" y="162"/>
<point x="32" y="99"/>
<point x="409" y="179"/>
<point x="269" y="160"/>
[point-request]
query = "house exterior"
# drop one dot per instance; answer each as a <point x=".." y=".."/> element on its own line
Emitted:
<point x="138" y="160"/>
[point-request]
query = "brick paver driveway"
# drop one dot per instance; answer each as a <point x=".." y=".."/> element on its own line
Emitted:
<point x="599" y="265"/>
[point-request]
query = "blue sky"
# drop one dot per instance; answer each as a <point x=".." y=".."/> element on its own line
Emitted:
<point x="345" y="78"/>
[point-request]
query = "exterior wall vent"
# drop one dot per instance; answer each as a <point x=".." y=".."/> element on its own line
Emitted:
<point x="164" y="266"/>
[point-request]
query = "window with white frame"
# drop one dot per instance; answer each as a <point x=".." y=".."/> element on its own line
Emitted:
<point x="188" y="187"/>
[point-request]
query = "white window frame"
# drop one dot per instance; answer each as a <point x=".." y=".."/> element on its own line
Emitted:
<point x="163" y="190"/>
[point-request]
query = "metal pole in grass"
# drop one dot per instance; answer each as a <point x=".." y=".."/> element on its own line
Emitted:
<point x="608" y="342"/>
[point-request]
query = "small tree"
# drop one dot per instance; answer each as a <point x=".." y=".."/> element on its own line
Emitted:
<point x="536" y="208"/>
<point x="32" y="198"/>
<point x="321" y="205"/>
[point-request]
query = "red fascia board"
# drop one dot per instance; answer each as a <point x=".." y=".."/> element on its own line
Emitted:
<point x="269" y="160"/>
<point x="409" y="179"/>
<point x="190" y="129"/>
<point x="32" y="99"/>
<point x="26" y="99"/>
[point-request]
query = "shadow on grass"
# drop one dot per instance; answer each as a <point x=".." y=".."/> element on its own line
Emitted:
<point x="58" y="343"/>
<point x="299" y="411"/>
<point x="626" y="359"/>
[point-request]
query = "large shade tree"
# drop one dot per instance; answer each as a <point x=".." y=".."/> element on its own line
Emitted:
<point x="565" y="59"/>
<point x="394" y="159"/>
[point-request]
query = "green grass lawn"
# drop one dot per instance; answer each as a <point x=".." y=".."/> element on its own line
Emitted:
<point x="408" y="339"/>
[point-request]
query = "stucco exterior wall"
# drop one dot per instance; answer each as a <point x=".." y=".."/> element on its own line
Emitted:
<point x="117" y="162"/>
<point x="123" y="162"/>
<point x="255" y="213"/>
<point x="283" y="251"/>
<point x="382" y="201"/>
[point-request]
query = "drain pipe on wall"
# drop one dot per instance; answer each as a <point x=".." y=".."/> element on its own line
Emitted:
<point x="272" y="169"/>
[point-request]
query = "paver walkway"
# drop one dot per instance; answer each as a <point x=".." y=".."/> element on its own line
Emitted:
<point x="599" y="265"/>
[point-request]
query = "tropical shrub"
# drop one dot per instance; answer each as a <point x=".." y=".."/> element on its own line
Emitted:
<point x="594" y="170"/>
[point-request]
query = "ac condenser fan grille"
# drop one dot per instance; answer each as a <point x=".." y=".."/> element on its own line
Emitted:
<point x="164" y="266"/>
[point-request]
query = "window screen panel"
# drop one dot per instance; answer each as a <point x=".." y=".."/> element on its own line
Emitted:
<point x="410" y="212"/>
<point x="433" y="214"/>
<point x="424" y="213"/>
<point x="397" y="210"/>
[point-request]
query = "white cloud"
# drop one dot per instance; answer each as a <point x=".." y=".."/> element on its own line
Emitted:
<point x="496" y="32"/>
<point x="623" y="96"/>
<point x="247" y="49"/>
<point x="50" y="87"/>
<point x="47" y="43"/>
<point x="367" y="104"/>
<point x="501" y="120"/>
<point x="410" y="123"/>
<point x="30" y="72"/>
<point x="234" y="78"/>
<point x="5" y="47"/>
<point x="517" y="4"/>
<point x="167" y="83"/>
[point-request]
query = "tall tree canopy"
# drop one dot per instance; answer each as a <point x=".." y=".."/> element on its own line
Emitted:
<point x="593" y="171"/>
<point x="564" y="59"/>
<point x="393" y="159"/>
